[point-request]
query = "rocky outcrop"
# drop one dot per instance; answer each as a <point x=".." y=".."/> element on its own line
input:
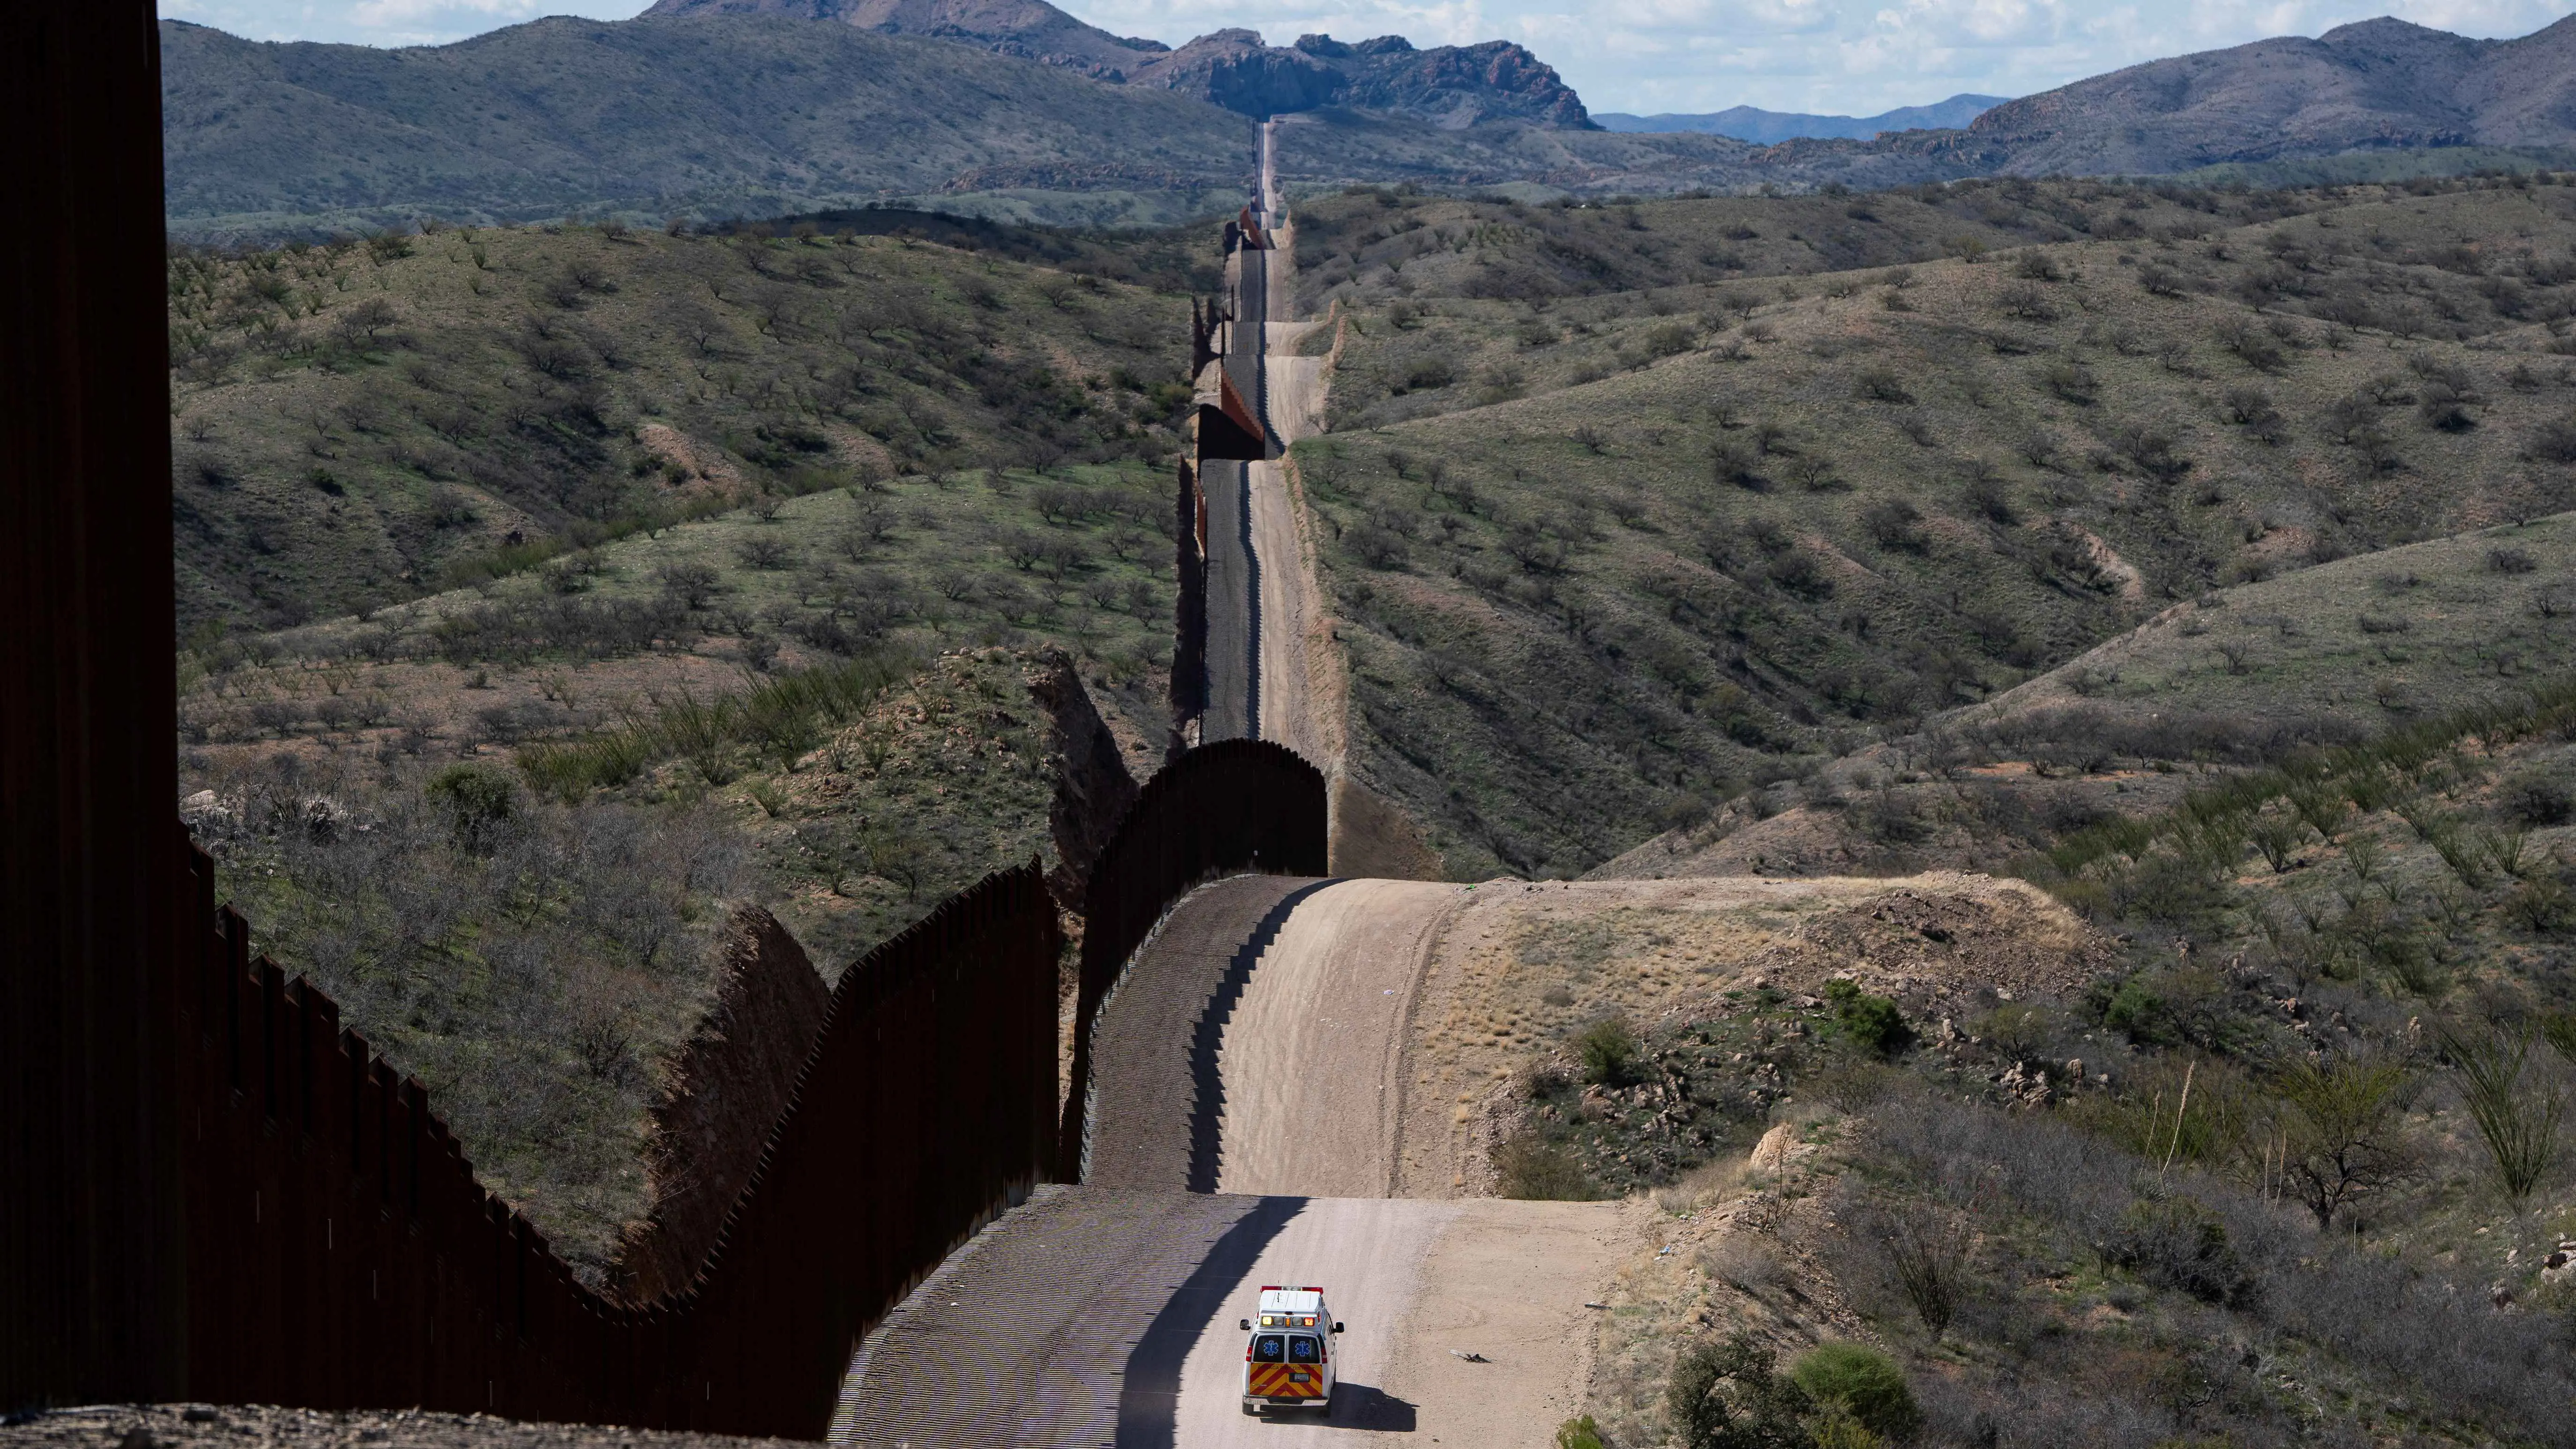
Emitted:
<point x="1452" y="85"/>
<point x="1461" y="85"/>
<point x="728" y="1089"/>
<point x="1234" y="69"/>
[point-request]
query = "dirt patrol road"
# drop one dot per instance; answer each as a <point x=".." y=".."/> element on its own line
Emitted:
<point x="1106" y="1315"/>
<point x="1418" y="1284"/>
<point x="1260" y="1046"/>
<point x="1293" y="626"/>
<point x="1313" y="1061"/>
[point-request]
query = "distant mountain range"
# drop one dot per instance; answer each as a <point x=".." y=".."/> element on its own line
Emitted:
<point x="1016" y="110"/>
<point x="1452" y="85"/>
<point x="1749" y="123"/>
<point x="2375" y="85"/>
<point x="706" y="118"/>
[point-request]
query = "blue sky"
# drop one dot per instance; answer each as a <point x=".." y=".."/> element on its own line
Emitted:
<point x="1852" y="57"/>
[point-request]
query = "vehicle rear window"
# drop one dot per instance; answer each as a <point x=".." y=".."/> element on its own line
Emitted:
<point x="1270" y="1348"/>
<point x="1301" y="1349"/>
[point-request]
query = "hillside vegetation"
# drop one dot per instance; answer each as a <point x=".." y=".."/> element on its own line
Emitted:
<point x="500" y="825"/>
<point x="631" y="577"/>
<point x="2292" y="1161"/>
<point x="1740" y="526"/>
<point x="2201" y="557"/>
<point x="356" y="424"/>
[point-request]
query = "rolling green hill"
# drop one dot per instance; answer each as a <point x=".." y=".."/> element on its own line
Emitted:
<point x="359" y="424"/>
<point x="1731" y="529"/>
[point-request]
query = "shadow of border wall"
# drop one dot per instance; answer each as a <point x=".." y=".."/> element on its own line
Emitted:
<point x="1221" y="809"/>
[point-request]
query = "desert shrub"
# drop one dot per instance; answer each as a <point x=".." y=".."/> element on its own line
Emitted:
<point x="1378" y="546"/>
<point x="1581" y="1433"/>
<point x="2169" y="1008"/>
<point x="2256" y="348"/>
<point x="762" y="552"/>
<point x="2517" y="1119"/>
<point x="202" y="468"/>
<point x="1882" y="384"/>
<point x="690" y="583"/>
<point x="2323" y="806"/>
<point x="2553" y="441"/>
<point x="2445" y="409"/>
<point x="2015" y="1030"/>
<point x="2072" y="382"/>
<point x="1608" y="1051"/>
<point x="1833" y="1427"/>
<point x="1729" y="1395"/>
<point x="2195" y="1113"/>
<point x="2152" y="450"/>
<point x="1987" y="498"/>
<point x="2020" y="299"/>
<point x="2177" y="1243"/>
<point x="2246" y="404"/>
<point x="478" y="802"/>
<point x="2400" y="1316"/>
<point x="1929" y="1250"/>
<point x="1529" y="1167"/>
<point x="1873" y="1023"/>
<point x="2343" y="1136"/>
<point x="1427" y="375"/>
<point x="2038" y="266"/>
<point x="1669" y="339"/>
<point x="1736" y="462"/>
<point x="1866" y="1383"/>
<point x="2558" y="1028"/>
<point x="1895" y="525"/>
<point x="2536" y="799"/>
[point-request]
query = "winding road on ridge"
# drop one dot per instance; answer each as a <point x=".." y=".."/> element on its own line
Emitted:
<point x="1250" y="1126"/>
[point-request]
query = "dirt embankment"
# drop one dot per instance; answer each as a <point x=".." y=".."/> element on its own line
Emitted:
<point x="1525" y="965"/>
<point x="1729" y="1249"/>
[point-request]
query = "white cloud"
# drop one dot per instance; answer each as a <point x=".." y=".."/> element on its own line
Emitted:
<point x="1850" y="56"/>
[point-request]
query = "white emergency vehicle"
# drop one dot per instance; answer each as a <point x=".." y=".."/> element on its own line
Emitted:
<point x="1288" y="1358"/>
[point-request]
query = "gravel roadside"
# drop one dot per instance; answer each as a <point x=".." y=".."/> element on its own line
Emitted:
<point x="236" y="1426"/>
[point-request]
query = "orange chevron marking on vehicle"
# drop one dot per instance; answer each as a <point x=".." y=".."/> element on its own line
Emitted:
<point x="1282" y="1381"/>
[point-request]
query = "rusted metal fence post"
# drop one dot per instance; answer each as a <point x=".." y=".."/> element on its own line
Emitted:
<point x="92" y="1279"/>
